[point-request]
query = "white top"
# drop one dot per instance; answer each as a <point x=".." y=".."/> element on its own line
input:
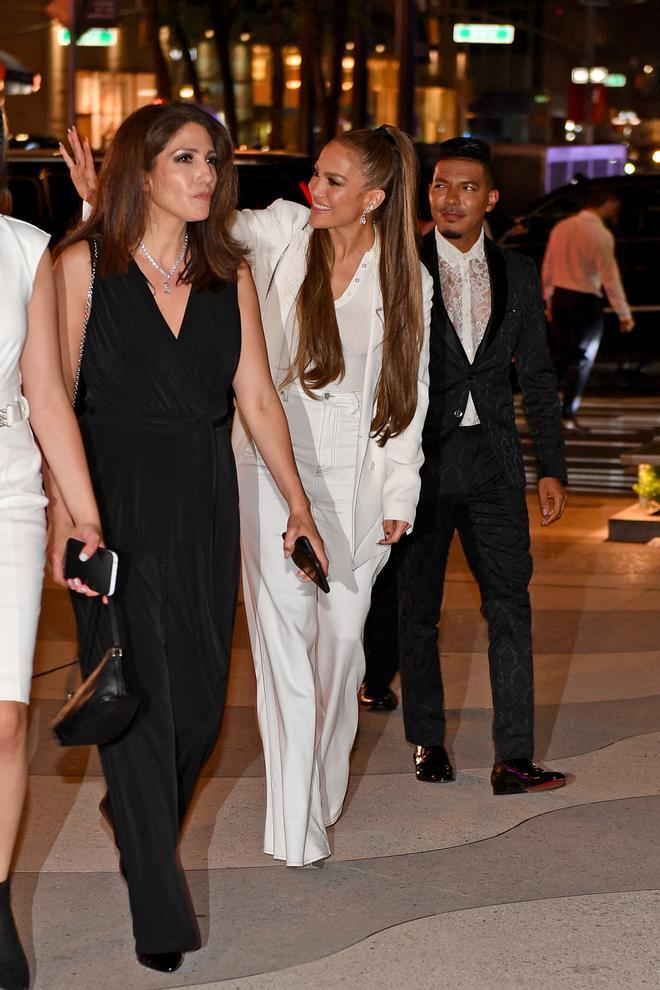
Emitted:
<point x="353" y="309"/>
<point x="21" y="248"/>
<point x="465" y="282"/>
<point x="580" y="256"/>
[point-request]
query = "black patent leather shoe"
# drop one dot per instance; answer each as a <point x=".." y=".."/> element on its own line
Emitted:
<point x="522" y="776"/>
<point x="162" y="962"/>
<point x="377" y="697"/>
<point x="432" y="765"/>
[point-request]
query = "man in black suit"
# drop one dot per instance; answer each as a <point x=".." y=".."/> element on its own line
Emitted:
<point x="487" y="312"/>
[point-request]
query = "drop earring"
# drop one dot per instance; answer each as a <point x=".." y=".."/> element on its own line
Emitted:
<point x="363" y="218"/>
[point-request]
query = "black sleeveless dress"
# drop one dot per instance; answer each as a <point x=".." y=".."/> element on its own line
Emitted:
<point x="156" y="429"/>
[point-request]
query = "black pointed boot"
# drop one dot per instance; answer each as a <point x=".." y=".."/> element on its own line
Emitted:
<point x="14" y="972"/>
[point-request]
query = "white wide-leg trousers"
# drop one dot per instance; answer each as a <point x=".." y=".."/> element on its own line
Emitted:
<point x="306" y="645"/>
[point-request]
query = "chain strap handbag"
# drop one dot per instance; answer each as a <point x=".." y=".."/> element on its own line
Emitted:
<point x="102" y="708"/>
<point x="83" y="338"/>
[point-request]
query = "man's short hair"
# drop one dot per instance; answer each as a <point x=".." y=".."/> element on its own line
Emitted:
<point x="599" y="195"/>
<point x="470" y="149"/>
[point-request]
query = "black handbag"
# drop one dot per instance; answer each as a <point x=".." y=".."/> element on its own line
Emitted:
<point x="102" y="708"/>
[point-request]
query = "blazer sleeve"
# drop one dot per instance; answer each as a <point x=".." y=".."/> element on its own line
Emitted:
<point x="403" y="453"/>
<point x="537" y="379"/>
<point x="269" y="228"/>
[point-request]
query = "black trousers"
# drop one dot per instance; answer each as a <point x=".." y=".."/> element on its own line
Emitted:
<point x="576" y="333"/>
<point x="490" y="515"/>
<point x="151" y="770"/>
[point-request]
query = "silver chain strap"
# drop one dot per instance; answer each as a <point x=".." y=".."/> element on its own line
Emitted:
<point x="88" y="309"/>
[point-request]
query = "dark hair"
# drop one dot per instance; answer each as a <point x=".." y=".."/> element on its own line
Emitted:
<point x="387" y="157"/>
<point x="599" y="195"/>
<point x="470" y="149"/>
<point x="120" y="216"/>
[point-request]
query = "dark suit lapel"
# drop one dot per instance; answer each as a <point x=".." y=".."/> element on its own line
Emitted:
<point x="440" y="316"/>
<point x="499" y="291"/>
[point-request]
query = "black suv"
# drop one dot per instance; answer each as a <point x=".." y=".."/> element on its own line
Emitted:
<point x="43" y="194"/>
<point x="638" y="252"/>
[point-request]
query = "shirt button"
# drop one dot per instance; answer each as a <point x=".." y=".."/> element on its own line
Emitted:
<point x="457" y="412"/>
<point x="326" y="395"/>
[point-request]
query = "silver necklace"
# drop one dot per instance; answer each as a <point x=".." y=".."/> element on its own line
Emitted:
<point x="167" y="275"/>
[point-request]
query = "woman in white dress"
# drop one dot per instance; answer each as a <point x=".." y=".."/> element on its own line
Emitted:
<point x="32" y="394"/>
<point x="346" y="306"/>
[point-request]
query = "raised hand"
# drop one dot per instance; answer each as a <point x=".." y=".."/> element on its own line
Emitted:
<point x="80" y="161"/>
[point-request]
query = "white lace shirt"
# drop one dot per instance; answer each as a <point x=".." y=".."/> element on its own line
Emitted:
<point x="465" y="282"/>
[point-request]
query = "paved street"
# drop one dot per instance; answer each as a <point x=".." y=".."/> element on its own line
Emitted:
<point x="429" y="885"/>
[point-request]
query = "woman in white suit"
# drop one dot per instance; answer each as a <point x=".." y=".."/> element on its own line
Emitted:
<point x="346" y="306"/>
<point x="346" y="309"/>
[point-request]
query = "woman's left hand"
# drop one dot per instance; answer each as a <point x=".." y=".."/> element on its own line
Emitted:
<point x="89" y="535"/>
<point x="393" y="530"/>
<point x="302" y="524"/>
<point x="80" y="162"/>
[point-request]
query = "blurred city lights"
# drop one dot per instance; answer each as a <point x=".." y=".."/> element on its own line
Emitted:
<point x="598" y="74"/>
<point x="655" y="157"/>
<point x="629" y="168"/>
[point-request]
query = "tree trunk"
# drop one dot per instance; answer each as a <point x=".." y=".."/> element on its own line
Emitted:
<point x="309" y="70"/>
<point x="221" y="24"/>
<point x="333" y="96"/>
<point x="191" y="69"/>
<point x="360" y="69"/>
<point x="276" y="139"/>
<point x="162" y="70"/>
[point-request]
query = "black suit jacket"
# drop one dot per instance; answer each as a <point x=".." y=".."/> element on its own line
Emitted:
<point x="515" y="332"/>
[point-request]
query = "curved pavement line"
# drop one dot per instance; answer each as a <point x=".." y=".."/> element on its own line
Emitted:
<point x="598" y="960"/>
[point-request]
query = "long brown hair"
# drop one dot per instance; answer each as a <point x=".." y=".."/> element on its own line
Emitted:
<point x="119" y="218"/>
<point x="389" y="162"/>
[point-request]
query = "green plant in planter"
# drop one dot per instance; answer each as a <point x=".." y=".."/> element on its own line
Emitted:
<point x="648" y="487"/>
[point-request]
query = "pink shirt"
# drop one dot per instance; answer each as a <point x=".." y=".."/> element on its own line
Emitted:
<point x="580" y="256"/>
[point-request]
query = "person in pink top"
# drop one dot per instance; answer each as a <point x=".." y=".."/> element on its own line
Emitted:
<point x="579" y="265"/>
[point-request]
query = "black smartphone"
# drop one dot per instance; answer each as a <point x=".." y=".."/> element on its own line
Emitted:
<point x="99" y="572"/>
<point x="304" y="557"/>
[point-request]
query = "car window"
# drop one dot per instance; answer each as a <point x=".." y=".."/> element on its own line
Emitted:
<point x="640" y="210"/>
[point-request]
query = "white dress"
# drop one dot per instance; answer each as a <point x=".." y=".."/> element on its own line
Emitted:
<point x="22" y="501"/>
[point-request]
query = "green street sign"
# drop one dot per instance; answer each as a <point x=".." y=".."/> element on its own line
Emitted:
<point x="93" y="38"/>
<point x="616" y="80"/>
<point x="484" y="34"/>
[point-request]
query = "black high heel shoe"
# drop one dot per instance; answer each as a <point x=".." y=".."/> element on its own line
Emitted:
<point x="14" y="971"/>
<point x="162" y="962"/>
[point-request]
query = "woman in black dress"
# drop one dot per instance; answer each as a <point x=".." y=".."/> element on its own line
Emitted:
<point x="174" y="327"/>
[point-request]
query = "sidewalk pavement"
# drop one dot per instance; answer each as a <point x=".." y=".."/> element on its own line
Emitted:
<point x="429" y="885"/>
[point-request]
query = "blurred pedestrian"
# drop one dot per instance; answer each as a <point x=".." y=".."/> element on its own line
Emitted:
<point x="580" y="264"/>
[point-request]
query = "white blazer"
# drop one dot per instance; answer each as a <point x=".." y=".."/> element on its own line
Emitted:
<point x="386" y="478"/>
